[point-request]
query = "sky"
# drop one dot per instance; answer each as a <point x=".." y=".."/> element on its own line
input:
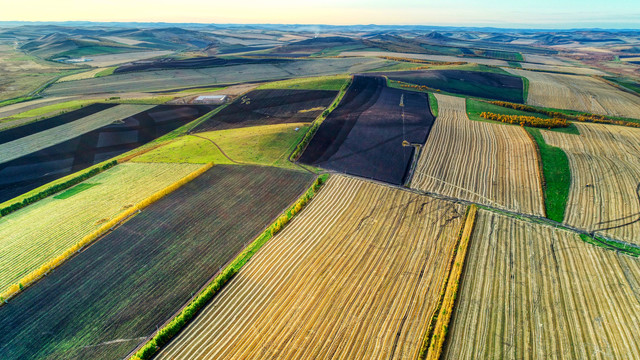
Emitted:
<point x="496" y="13"/>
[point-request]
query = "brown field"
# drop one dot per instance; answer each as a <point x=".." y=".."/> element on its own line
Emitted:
<point x="605" y="184"/>
<point x="444" y="58"/>
<point x="544" y="59"/>
<point x="356" y="275"/>
<point x="581" y="93"/>
<point x="534" y="292"/>
<point x="487" y="163"/>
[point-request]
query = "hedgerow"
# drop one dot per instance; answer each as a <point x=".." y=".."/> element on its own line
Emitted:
<point x="525" y="120"/>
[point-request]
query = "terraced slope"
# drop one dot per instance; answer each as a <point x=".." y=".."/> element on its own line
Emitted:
<point x="491" y="164"/>
<point x="41" y="231"/>
<point x="531" y="291"/>
<point x="605" y="184"/>
<point x="356" y="275"/>
<point x="581" y="93"/>
<point x="109" y="298"/>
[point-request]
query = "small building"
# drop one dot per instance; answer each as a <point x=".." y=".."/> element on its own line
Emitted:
<point x="211" y="99"/>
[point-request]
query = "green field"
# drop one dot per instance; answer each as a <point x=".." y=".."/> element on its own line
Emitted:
<point x="49" y="110"/>
<point x="333" y="82"/>
<point x="41" y="231"/>
<point x="433" y="103"/>
<point x="557" y="176"/>
<point x="262" y="145"/>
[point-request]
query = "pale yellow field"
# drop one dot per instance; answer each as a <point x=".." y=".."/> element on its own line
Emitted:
<point x="569" y="69"/>
<point x="356" y="275"/>
<point x="605" y="179"/>
<point x="531" y="291"/>
<point x="41" y="231"/>
<point x="115" y="59"/>
<point x="83" y="75"/>
<point x="32" y="143"/>
<point x="492" y="164"/>
<point x="446" y="58"/>
<point x="581" y="93"/>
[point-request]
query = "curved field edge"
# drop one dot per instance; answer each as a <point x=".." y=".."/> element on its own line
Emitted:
<point x="171" y="329"/>
<point x="436" y="334"/>
<point x="72" y="179"/>
<point x="555" y="176"/>
<point x="302" y="145"/>
<point x="43" y="270"/>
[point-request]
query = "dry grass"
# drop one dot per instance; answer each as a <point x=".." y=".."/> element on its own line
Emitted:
<point x="487" y="163"/>
<point x="356" y="275"/>
<point x="605" y="184"/>
<point x="580" y="93"/>
<point x="533" y="292"/>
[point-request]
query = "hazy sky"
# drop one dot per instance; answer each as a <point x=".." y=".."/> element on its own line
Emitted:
<point x="499" y="13"/>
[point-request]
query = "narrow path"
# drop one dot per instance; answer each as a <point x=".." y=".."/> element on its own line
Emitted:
<point x="219" y="148"/>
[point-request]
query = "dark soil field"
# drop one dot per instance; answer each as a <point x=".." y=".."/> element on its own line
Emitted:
<point x="482" y="84"/>
<point x="268" y="107"/>
<point x="105" y="301"/>
<point x="364" y="135"/>
<point x="193" y="63"/>
<point x="41" y="125"/>
<point x="31" y="171"/>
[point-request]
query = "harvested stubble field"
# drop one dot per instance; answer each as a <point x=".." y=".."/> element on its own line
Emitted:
<point x="97" y="305"/>
<point x="443" y="58"/>
<point x="580" y="93"/>
<point x="364" y="135"/>
<point x="37" y="141"/>
<point x="117" y="137"/>
<point x="38" y="233"/>
<point x="605" y="179"/>
<point x="269" y="107"/>
<point x="530" y="291"/>
<point x="356" y="275"/>
<point x="492" y="85"/>
<point x="174" y="79"/>
<point x="491" y="164"/>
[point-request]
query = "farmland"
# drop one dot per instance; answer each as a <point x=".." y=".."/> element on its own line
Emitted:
<point x="364" y="135"/>
<point x="40" y="232"/>
<point x="263" y="145"/>
<point x="97" y="304"/>
<point x="363" y="282"/>
<point x="443" y="58"/>
<point x="581" y="93"/>
<point x="604" y="195"/>
<point x="531" y="291"/>
<point x="492" y="164"/>
<point x="181" y="78"/>
<point x="34" y="169"/>
<point x="191" y="63"/>
<point x="37" y="141"/>
<point x="484" y="84"/>
<point x="269" y="107"/>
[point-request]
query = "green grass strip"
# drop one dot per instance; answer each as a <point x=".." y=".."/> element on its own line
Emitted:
<point x="557" y="176"/>
<point x="164" y="335"/>
<point x="611" y="245"/>
<point x="433" y="103"/>
<point x="106" y="72"/>
<point x="74" y="190"/>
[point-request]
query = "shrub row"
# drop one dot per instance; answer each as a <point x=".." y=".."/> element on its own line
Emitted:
<point x="56" y="188"/>
<point x="164" y="335"/>
<point x="419" y="61"/>
<point x="445" y="310"/>
<point x="526" y="120"/>
<point x="88" y="239"/>
<point x="601" y="119"/>
<point x="302" y="145"/>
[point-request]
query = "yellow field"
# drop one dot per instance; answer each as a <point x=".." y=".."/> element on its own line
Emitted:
<point x="487" y="163"/>
<point x="605" y="179"/>
<point x="41" y="231"/>
<point x="534" y="292"/>
<point x="81" y="76"/>
<point x="356" y="275"/>
<point x="581" y="93"/>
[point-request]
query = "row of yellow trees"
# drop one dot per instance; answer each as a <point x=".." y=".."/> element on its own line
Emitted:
<point x="525" y="120"/>
<point x="106" y="227"/>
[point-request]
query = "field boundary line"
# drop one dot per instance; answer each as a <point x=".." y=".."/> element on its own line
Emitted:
<point x="443" y="315"/>
<point x="435" y="321"/>
<point x="315" y="125"/>
<point x="87" y="240"/>
<point x="189" y="311"/>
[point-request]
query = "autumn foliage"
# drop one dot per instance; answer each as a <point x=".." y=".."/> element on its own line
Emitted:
<point x="525" y="120"/>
